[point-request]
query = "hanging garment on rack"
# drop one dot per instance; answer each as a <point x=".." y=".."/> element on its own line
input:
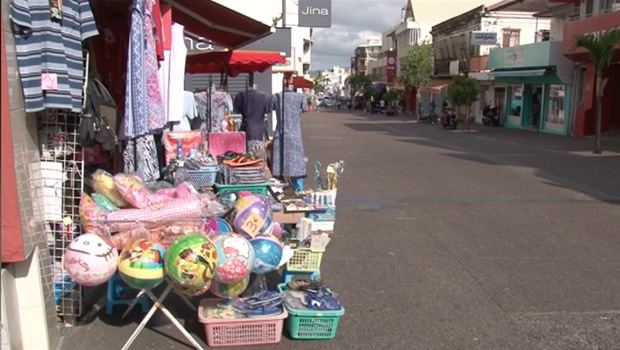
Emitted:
<point x="153" y="92"/>
<point x="221" y="104"/>
<point x="189" y="114"/>
<point x="136" y="121"/>
<point x="38" y="39"/>
<point x="294" y="158"/>
<point x="253" y="106"/>
<point x="176" y="74"/>
<point x="140" y="155"/>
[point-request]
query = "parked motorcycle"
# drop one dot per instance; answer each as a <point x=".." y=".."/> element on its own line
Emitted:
<point x="448" y="118"/>
<point x="490" y="116"/>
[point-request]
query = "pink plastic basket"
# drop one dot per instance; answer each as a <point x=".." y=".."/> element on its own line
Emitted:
<point x="246" y="331"/>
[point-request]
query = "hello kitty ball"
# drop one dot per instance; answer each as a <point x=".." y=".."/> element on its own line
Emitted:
<point x="91" y="260"/>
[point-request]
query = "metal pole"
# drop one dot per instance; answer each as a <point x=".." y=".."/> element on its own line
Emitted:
<point x="283" y="16"/>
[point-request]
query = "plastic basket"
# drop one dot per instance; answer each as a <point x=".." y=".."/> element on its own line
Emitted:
<point x="205" y="176"/>
<point x="241" y="332"/>
<point x="305" y="260"/>
<point x="311" y="324"/>
<point x="260" y="189"/>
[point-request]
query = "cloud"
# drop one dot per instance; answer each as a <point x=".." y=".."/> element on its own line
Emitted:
<point x="353" y="21"/>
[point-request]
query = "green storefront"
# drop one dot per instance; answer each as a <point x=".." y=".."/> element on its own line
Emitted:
<point x="538" y="86"/>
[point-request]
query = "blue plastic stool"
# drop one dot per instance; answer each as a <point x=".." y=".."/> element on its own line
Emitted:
<point x="287" y="276"/>
<point x="114" y="292"/>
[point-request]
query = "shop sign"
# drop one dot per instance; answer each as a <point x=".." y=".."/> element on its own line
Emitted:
<point x="483" y="38"/>
<point x="515" y="57"/>
<point x="595" y="26"/>
<point x="391" y="66"/>
<point x="201" y="44"/>
<point x="315" y="13"/>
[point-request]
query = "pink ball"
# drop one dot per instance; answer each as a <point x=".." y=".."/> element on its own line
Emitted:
<point x="91" y="260"/>
<point x="277" y="230"/>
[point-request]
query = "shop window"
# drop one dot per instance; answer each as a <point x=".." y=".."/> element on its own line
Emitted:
<point x="589" y="7"/>
<point x="555" y="108"/>
<point x="516" y="101"/>
<point x="544" y="35"/>
<point x="510" y="37"/>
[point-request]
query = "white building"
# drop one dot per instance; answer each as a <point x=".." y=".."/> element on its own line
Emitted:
<point x="365" y="54"/>
<point x="334" y="80"/>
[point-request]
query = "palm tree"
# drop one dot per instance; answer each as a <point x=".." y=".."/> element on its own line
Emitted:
<point x="600" y="51"/>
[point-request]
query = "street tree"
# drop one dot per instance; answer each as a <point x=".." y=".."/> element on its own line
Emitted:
<point x="463" y="91"/>
<point x="416" y="69"/>
<point x="358" y="83"/>
<point x="600" y="51"/>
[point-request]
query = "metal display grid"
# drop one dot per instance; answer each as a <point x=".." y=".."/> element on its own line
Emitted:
<point x="59" y="188"/>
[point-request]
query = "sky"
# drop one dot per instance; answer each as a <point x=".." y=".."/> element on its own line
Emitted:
<point x="353" y="21"/>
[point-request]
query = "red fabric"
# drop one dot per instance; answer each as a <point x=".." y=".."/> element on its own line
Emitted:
<point x="302" y="83"/>
<point x="159" y="37"/>
<point x="189" y="140"/>
<point x="238" y="61"/>
<point x="222" y="142"/>
<point x="166" y="19"/>
<point x="12" y="238"/>
<point x="217" y="22"/>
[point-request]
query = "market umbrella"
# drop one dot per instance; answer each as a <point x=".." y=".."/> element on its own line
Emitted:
<point x="233" y="62"/>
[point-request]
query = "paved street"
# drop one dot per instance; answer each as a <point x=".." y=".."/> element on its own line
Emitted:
<point x="493" y="239"/>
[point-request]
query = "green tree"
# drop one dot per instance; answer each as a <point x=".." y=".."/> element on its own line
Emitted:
<point x="600" y="51"/>
<point x="463" y="91"/>
<point x="320" y="81"/>
<point x="358" y="83"/>
<point x="416" y="69"/>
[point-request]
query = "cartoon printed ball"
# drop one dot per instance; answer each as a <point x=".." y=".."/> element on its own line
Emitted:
<point x="141" y="264"/>
<point x="230" y="290"/>
<point x="191" y="261"/>
<point x="193" y="291"/>
<point x="235" y="257"/>
<point x="253" y="215"/>
<point x="91" y="260"/>
<point x="267" y="254"/>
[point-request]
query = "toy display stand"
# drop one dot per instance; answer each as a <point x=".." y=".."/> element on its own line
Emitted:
<point x="158" y="304"/>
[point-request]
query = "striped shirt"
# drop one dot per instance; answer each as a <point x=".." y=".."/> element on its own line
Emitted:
<point x="46" y="45"/>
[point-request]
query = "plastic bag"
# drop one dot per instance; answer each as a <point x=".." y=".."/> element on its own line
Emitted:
<point x="133" y="191"/>
<point x="103" y="183"/>
<point x="103" y="203"/>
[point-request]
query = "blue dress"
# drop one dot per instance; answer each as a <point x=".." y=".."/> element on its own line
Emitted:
<point x="294" y="157"/>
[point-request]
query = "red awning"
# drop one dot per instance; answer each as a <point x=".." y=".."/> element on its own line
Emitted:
<point x="302" y="83"/>
<point x="235" y="62"/>
<point x="218" y="23"/>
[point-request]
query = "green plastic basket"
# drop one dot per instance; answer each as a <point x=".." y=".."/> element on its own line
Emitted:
<point x="305" y="260"/>
<point x="311" y="324"/>
<point x="225" y="190"/>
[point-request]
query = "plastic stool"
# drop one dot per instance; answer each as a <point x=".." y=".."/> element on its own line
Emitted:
<point x="287" y="276"/>
<point x="114" y="292"/>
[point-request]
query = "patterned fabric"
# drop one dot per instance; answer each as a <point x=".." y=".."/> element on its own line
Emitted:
<point x="221" y="104"/>
<point x="54" y="46"/>
<point x="256" y="149"/>
<point x="294" y="158"/>
<point x="155" y="105"/>
<point x="136" y="118"/>
<point x="145" y="156"/>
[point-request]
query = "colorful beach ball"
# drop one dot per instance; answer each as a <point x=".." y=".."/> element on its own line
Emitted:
<point x="191" y="261"/>
<point x="193" y="291"/>
<point x="235" y="257"/>
<point x="217" y="226"/>
<point x="253" y="216"/>
<point x="267" y="254"/>
<point x="91" y="260"/>
<point x="230" y="290"/>
<point x="141" y="264"/>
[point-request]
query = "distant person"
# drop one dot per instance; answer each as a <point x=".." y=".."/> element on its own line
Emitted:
<point x="381" y="105"/>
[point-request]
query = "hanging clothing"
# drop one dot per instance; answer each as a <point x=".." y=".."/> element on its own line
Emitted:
<point x="136" y="121"/>
<point x="294" y="157"/>
<point x="189" y="113"/>
<point x="221" y="104"/>
<point x="49" y="47"/>
<point x="140" y="155"/>
<point x="253" y="108"/>
<point x="153" y="92"/>
<point x="176" y="74"/>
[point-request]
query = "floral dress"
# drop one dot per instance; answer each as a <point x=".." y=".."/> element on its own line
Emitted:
<point x="294" y="158"/>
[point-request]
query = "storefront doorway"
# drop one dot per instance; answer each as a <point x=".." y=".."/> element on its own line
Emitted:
<point x="537" y="98"/>
<point x="500" y="102"/>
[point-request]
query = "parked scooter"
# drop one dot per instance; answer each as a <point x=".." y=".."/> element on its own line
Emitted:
<point x="490" y="116"/>
<point x="448" y="118"/>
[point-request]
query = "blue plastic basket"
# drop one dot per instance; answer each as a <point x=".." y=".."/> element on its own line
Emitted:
<point x="205" y="176"/>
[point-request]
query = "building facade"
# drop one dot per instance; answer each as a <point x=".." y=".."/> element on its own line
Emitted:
<point x="365" y="54"/>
